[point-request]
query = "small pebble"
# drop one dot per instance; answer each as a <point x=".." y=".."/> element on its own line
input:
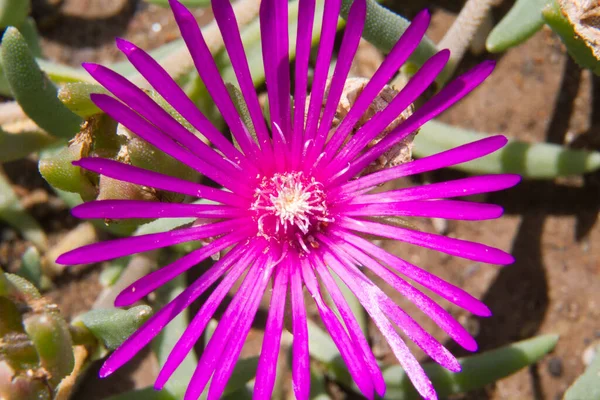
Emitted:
<point x="590" y="352"/>
<point x="555" y="366"/>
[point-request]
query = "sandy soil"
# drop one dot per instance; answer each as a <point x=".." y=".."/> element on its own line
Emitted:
<point x="535" y="94"/>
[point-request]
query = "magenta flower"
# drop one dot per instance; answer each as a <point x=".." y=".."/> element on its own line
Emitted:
<point x="294" y="205"/>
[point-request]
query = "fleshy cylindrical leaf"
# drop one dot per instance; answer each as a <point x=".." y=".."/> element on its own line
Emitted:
<point x="112" y="326"/>
<point x="33" y="90"/>
<point x="14" y="146"/>
<point x="13" y="12"/>
<point x="519" y="24"/>
<point x="530" y="160"/>
<point x="58" y="170"/>
<point x="76" y="97"/>
<point x="50" y="336"/>
<point x="477" y="371"/>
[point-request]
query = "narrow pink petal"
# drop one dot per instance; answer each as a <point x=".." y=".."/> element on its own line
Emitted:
<point x="267" y="364"/>
<point x="447" y="97"/>
<point x="440" y="287"/>
<point x="140" y="338"/>
<point x="373" y="128"/>
<point x="449" y="209"/>
<point x="269" y="54"/>
<point x="356" y="335"/>
<point x="328" y="31"/>
<point x="405" y="46"/>
<point x="111" y="249"/>
<point x="306" y="10"/>
<point x="457" y="155"/>
<point x="149" y="283"/>
<point x="356" y="365"/>
<point x="243" y="259"/>
<point x="124" y="209"/>
<point x="221" y="173"/>
<point x="129" y="173"/>
<point x="420" y="336"/>
<point x="269" y="26"/>
<point x="230" y="322"/>
<point x="136" y="99"/>
<point x="282" y="61"/>
<point x="162" y="82"/>
<point x="455" y="247"/>
<point x="408" y="362"/>
<point x="354" y="28"/>
<point x="440" y="316"/>
<point x="300" y="356"/>
<point x="454" y="188"/>
<point x="349" y="271"/>
<point x="224" y="368"/>
<point x="228" y="26"/>
<point x="209" y="72"/>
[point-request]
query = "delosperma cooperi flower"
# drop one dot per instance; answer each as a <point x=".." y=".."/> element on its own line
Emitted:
<point x="295" y="202"/>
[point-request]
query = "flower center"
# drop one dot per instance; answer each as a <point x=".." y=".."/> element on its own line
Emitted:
<point x="290" y="207"/>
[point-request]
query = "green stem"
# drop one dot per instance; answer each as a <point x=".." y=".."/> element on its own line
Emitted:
<point x="530" y="160"/>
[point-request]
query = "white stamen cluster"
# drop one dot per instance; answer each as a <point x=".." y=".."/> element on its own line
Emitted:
<point x="289" y="203"/>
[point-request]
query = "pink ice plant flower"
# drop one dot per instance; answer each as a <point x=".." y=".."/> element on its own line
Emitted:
<point x="294" y="205"/>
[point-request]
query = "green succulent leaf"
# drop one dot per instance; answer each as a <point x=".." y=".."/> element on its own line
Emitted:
<point x="318" y="388"/>
<point x="60" y="73"/>
<point x="14" y="146"/>
<point x="13" y="12"/>
<point x="56" y="167"/>
<point x="162" y="225"/>
<point x="31" y="35"/>
<point x="76" y="97"/>
<point x="112" y="326"/>
<point x="51" y="338"/>
<point x="576" y="46"/>
<point x="31" y="266"/>
<point x="519" y="24"/>
<point x="323" y="349"/>
<point x="111" y="273"/>
<point x="477" y="370"/>
<point x="21" y="290"/>
<point x="32" y="89"/>
<point x="243" y="372"/>
<point x="320" y="345"/>
<point x="530" y="160"/>
<point x="244" y="393"/>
